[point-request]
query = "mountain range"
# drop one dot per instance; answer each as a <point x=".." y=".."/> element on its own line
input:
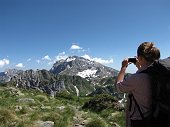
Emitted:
<point x="75" y="75"/>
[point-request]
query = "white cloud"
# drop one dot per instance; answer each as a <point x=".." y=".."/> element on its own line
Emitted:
<point x="99" y="60"/>
<point x="75" y="47"/>
<point x="46" y="58"/>
<point x="61" y="56"/>
<point x="4" y="62"/>
<point x="103" y="61"/>
<point x="20" y="65"/>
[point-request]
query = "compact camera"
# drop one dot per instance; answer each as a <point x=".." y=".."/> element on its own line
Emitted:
<point x="132" y="60"/>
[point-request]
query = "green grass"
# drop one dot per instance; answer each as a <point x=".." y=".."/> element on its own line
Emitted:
<point x="31" y="112"/>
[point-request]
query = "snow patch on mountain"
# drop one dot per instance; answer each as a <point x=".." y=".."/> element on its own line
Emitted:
<point x="87" y="73"/>
<point x="70" y="59"/>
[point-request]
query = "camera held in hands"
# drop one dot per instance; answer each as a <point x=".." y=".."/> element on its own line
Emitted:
<point x="132" y="60"/>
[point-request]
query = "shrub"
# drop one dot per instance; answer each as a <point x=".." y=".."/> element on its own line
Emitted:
<point x="3" y="84"/>
<point x="100" y="102"/>
<point x="66" y="95"/>
<point x="105" y="113"/>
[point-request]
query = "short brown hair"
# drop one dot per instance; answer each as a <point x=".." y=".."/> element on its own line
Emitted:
<point x="148" y="51"/>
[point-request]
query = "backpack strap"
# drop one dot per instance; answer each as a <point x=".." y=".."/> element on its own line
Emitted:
<point x="138" y="107"/>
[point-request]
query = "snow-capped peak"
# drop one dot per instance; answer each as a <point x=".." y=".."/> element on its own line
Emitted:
<point x="74" y="65"/>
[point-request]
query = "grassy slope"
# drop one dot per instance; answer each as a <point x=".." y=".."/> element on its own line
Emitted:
<point x="63" y="111"/>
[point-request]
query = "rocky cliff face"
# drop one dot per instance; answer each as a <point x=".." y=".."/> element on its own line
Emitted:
<point x="49" y="83"/>
<point x="42" y="80"/>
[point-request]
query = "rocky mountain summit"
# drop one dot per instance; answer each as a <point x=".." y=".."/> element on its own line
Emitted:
<point x="82" y="67"/>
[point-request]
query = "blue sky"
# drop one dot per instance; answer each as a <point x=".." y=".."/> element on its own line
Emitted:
<point x="36" y="33"/>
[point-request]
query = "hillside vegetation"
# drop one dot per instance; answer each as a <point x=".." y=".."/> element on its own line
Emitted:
<point x="32" y="108"/>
